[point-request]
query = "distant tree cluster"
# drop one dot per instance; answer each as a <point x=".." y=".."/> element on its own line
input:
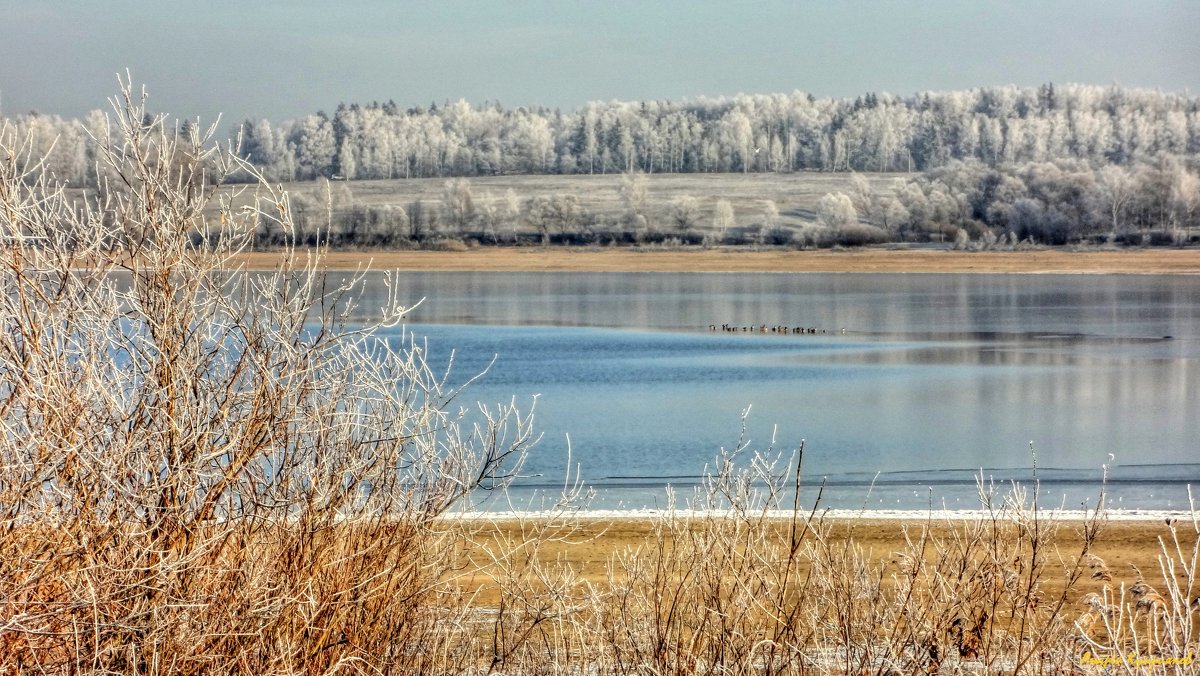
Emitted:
<point x="767" y="133"/>
<point x="1057" y="202"/>
<point x="330" y="214"/>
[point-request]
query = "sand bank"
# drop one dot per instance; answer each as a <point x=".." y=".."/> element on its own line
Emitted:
<point x="562" y="259"/>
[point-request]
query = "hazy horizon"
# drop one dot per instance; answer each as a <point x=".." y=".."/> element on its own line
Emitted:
<point x="284" y="60"/>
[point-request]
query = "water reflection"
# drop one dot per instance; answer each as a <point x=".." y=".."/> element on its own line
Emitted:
<point x="1113" y="306"/>
<point x="935" y="372"/>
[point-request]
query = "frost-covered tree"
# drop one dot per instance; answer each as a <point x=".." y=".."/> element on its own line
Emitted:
<point x="312" y="140"/>
<point x="737" y="132"/>
<point x="458" y="205"/>
<point x="893" y="214"/>
<point x="862" y="197"/>
<point x="770" y="214"/>
<point x="836" y="210"/>
<point x="1185" y="197"/>
<point x="540" y="212"/>
<point x="685" y="212"/>
<point x="1116" y="189"/>
<point x="634" y="191"/>
<point x="723" y="217"/>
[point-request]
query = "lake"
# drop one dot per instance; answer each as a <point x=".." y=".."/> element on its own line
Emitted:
<point x="935" y="378"/>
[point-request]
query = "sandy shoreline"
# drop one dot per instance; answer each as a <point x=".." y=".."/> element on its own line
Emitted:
<point x="561" y="259"/>
<point x="1125" y="543"/>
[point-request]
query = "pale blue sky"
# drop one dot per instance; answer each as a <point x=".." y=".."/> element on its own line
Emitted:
<point x="284" y="59"/>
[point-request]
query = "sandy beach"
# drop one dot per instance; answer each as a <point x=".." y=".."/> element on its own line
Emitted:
<point x="562" y="259"/>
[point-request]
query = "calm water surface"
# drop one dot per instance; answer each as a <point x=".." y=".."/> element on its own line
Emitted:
<point x="935" y="378"/>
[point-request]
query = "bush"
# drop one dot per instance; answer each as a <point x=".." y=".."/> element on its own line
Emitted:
<point x="779" y="236"/>
<point x="205" y="472"/>
<point x="814" y="236"/>
<point x="860" y="234"/>
<point x="445" y="244"/>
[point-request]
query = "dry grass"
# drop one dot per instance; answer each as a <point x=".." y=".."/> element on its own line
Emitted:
<point x="204" y="472"/>
<point x="1123" y="545"/>
<point x="735" y="588"/>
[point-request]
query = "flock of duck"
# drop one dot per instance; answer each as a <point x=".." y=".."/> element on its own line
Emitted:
<point x="763" y="328"/>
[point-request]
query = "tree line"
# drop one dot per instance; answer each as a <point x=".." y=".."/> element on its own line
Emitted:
<point x="746" y="133"/>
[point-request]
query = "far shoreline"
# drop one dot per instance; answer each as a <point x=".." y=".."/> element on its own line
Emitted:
<point x="869" y="260"/>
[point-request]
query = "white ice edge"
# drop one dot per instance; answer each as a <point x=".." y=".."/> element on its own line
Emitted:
<point x="856" y="514"/>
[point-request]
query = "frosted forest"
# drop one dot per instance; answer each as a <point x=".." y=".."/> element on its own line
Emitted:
<point x="991" y="166"/>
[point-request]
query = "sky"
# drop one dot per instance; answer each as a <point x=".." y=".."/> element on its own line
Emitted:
<point x="281" y="60"/>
